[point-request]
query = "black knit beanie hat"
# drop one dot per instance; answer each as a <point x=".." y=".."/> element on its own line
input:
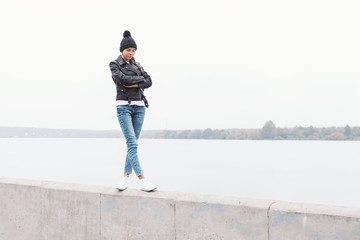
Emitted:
<point x="127" y="41"/>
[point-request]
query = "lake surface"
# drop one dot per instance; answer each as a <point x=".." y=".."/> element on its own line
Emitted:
<point x="325" y="172"/>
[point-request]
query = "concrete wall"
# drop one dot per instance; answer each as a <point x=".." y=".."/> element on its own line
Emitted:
<point x="38" y="210"/>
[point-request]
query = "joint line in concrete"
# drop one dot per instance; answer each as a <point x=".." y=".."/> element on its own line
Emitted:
<point x="175" y="218"/>
<point x="268" y="219"/>
<point x="100" y="207"/>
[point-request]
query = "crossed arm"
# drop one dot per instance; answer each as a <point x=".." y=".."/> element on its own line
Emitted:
<point x="129" y="81"/>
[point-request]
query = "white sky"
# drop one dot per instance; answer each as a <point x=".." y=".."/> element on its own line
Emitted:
<point x="217" y="64"/>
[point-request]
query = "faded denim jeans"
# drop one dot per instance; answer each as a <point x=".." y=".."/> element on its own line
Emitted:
<point x="131" y="118"/>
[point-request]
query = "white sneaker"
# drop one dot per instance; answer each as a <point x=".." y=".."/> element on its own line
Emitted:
<point x="123" y="184"/>
<point x="147" y="186"/>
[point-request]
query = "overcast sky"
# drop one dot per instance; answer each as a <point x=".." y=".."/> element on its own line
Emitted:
<point x="214" y="64"/>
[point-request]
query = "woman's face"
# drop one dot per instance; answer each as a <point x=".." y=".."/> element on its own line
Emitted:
<point x="128" y="53"/>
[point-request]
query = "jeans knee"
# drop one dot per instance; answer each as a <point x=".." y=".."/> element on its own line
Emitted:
<point x="131" y="140"/>
<point x="132" y="146"/>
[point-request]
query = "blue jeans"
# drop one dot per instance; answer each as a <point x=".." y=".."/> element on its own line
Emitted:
<point x="131" y="118"/>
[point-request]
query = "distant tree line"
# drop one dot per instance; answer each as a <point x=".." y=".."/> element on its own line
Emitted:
<point x="268" y="132"/>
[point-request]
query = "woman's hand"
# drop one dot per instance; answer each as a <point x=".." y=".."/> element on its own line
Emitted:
<point x="131" y="86"/>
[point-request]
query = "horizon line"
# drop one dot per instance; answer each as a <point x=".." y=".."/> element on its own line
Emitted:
<point x="184" y="129"/>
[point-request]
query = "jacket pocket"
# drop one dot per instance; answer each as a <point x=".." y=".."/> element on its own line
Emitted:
<point x="122" y="89"/>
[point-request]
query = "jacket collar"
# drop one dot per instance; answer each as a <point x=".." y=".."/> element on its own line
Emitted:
<point x="121" y="60"/>
<point x="131" y="66"/>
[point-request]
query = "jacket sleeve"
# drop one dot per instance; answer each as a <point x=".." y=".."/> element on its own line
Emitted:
<point x="123" y="79"/>
<point x="147" y="82"/>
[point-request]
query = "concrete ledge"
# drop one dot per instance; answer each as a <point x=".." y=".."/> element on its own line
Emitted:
<point x="313" y="222"/>
<point x="39" y="210"/>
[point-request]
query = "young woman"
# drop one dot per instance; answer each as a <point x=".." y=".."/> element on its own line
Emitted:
<point x="130" y="80"/>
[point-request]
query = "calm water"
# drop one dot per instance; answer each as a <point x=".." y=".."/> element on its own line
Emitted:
<point x="299" y="171"/>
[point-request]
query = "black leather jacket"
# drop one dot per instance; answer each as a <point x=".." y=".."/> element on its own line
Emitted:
<point x="127" y="74"/>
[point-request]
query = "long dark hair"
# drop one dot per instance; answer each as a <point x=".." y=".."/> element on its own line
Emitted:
<point x="138" y="65"/>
